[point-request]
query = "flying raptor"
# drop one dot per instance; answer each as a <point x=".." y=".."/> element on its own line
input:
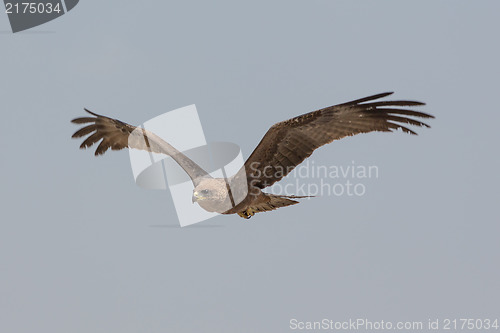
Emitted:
<point x="284" y="146"/>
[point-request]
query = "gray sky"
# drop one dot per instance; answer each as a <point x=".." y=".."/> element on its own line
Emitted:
<point x="83" y="249"/>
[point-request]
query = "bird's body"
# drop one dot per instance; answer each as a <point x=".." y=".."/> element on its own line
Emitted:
<point x="285" y="145"/>
<point x="219" y="195"/>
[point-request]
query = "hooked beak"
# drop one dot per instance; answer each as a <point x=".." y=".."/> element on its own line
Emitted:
<point x="196" y="197"/>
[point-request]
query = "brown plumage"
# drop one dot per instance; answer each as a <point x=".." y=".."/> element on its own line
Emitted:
<point x="284" y="146"/>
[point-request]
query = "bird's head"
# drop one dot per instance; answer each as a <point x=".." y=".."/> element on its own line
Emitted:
<point x="212" y="195"/>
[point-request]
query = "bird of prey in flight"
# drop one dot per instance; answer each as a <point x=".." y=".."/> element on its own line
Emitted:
<point x="284" y="146"/>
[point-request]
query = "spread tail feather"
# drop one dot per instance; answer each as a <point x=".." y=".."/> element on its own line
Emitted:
<point x="277" y="201"/>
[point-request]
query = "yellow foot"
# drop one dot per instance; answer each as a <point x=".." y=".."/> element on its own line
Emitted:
<point x="246" y="214"/>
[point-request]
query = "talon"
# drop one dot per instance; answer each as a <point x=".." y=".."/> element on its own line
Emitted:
<point x="246" y="214"/>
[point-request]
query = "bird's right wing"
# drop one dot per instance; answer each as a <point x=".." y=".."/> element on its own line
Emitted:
<point x="118" y="135"/>
<point x="288" y="143"/>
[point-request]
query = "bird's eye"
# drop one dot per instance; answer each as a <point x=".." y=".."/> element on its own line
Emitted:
<point x="204" y="191"/>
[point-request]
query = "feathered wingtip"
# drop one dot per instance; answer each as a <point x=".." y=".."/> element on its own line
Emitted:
<point x="86" y="130"/>
<point x="85" y="120"/>
<point x="390" y="111"/>
<point x="382" y="103"/>
<point x="369" y="98"/>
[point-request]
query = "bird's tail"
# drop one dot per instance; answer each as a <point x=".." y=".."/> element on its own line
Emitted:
<point x="277" y="201"/>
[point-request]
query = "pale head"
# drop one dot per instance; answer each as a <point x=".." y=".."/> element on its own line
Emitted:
<point x="212" y="195"/>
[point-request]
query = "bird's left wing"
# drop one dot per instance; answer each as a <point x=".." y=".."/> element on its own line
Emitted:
<point x="117" y="135"/>
<point x="288" y="143"/>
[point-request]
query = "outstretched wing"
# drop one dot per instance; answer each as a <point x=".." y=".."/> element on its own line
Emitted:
<point x="118" y="135"/>
<point x="288" y="143"/>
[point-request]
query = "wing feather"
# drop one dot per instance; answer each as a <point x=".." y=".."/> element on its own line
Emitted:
<point x="84" y="131"/>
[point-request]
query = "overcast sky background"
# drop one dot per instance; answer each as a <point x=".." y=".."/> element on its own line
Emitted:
<point x="83" y="249"/>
